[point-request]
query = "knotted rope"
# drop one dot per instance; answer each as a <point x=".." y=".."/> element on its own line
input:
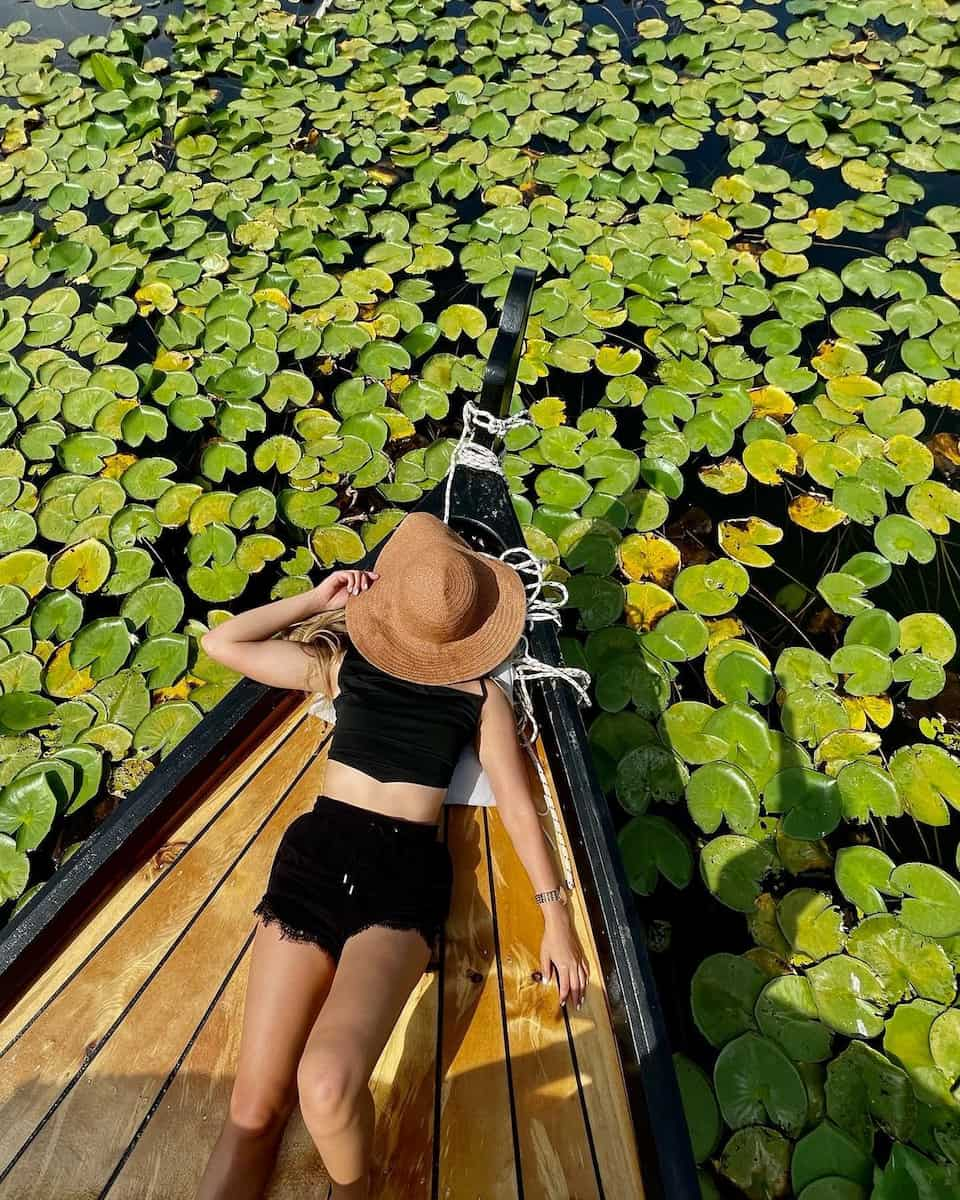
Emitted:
<point x="469" y="453"/>
<point x="526" y="669"/>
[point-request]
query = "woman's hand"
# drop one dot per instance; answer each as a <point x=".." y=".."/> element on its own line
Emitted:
<point x="560" y="949"/>
<point x="338" y="585"/>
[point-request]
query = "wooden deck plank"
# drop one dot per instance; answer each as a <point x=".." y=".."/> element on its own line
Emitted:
<point x="555" y="1156"/>
<point x="476" y="1146"/>
<point x="168" y="1068"/>
<point x="404" y="1091"/>
<point x="404" y="1088"/>
<point x="155" y="1024"/>
<point x="165" y="1166"/>
<point x="100" y="925"/>
<point x="598" y="1059"/>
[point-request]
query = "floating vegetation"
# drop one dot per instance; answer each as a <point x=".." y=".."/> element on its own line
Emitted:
<point x="250" y="274"/>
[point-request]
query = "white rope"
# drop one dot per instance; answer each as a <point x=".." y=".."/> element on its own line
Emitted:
<point x="527" y="669"/>
<point x="540" y="606"/>
<point x="469" y="453"/>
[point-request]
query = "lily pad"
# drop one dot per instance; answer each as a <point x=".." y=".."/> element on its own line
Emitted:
<point x="756" y="1083"/>
<point x="734" y="867"/>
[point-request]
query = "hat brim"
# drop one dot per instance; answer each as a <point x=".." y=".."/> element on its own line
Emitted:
<point x="379" y="633"/>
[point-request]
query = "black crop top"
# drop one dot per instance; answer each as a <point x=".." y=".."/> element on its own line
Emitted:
<point x="397" y="731"/>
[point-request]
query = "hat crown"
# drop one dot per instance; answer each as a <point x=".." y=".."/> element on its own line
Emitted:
<point x="439" y="595"/>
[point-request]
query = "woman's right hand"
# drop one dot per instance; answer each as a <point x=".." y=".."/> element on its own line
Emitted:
<point x="338" y="585"/>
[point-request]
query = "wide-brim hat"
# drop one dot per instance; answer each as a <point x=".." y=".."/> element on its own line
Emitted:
<point x="440" y="612"/>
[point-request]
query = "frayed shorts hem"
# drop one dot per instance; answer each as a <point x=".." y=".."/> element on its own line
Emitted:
<point x="333" y="945"/>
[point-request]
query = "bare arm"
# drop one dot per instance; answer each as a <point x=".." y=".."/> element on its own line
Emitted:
<point x="247" y="642"/>
<point x="503" y="758"/>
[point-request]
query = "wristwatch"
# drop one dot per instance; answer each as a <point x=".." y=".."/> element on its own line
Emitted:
<point x="556" y="894"/>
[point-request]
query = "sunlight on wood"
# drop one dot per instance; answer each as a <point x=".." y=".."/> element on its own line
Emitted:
<point x="119" y="1061"/>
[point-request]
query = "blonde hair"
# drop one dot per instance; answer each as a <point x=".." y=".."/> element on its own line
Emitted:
<point x="325" y="636"/>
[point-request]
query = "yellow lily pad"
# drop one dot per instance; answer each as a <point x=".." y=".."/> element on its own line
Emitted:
<point x="765" y="459"/>
<point x="62" y="680"/>
<point x="772" y="402"/>
<point x="815" y="513"/>
<point x="649" y="556"/>
<point x="744" y="539"/>
<point x="727" y="477"/>
<point x="25" y="568"/>
<point x="84" y="565"/>
<point x="645" y="604"/>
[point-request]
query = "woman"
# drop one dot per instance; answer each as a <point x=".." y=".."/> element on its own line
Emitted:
<point x="360" y="887"/>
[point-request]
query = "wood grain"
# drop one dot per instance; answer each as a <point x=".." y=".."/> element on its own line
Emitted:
<point x="122" y="1079"/>
<point x="554" y="1150"/>
<point x="595" y="1047"/>
<point x="149" y="1005"/>
<point x="476" y="1147"/>
<point x="145" y="876"/>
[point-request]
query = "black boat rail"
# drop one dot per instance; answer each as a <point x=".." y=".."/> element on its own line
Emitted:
<point x="481" y="503"/>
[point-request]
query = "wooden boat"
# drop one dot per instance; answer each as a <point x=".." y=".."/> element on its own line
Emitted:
<point x="122" y="979"/>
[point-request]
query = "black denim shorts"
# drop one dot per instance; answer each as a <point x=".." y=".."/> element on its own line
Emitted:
<point x="341" y="868"/>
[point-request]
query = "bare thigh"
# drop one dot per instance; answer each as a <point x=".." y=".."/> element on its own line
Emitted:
<point x="288" y="983"/>
<point x="378" y="970"/>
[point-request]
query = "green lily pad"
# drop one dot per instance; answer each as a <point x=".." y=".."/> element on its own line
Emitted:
<point x="723" y="995"/>
<point x="866" y="1092"/>
<point x="734" y="867"/>
<point x="757" y="1083"/>
<point x="682" y="729"/>
<point x="711" y="589"/>
<point x="29" y="805"/>
<point x="14" y="869"/>
<point x="652" y="846"/>
<point x="932" y="899"/>
<point x="756" y="1160"/>
<point x="718" y="791"/>
<point x="811" y="925"/>
<point x="906" y="963"/>
<point x="828" y="1155"/>
<point x="863" y="876"/>
<point x="787" y="1014"/>
<point x="809" y="801"/>
<point x="868" y="671"/>
<point x="21" y="711"/>
<point x="928" y="779"/>
<point x="900" y="538"/>
<point x="849" y="996"/>
<point x="164" y="726"/>
<point x="699" y="1106"/>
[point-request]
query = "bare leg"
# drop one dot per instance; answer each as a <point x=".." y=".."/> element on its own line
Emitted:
<point x="377" y="972"/>
<point x="287" y="985"/>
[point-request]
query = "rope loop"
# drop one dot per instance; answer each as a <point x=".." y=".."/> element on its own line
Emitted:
<point x="469" y="453"/>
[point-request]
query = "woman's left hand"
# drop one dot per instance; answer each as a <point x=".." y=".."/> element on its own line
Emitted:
<point x="338" y="585"/>
<point x="559" y="949"/>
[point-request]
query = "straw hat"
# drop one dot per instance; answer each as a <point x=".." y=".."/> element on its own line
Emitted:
<point x="439" y="612"/>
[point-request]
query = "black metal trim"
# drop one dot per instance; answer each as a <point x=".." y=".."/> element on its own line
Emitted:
<point x="501" y="369"/>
